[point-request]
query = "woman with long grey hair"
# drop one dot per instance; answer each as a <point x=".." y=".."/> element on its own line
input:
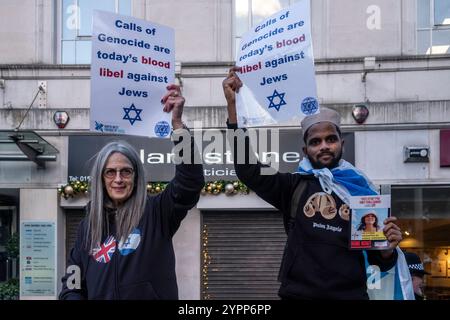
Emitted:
<point x="123" y="194"/>
<point x="124" y="245"/>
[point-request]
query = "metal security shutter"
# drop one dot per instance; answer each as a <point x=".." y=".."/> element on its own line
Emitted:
<point x="241" y="254"/>
<point x="73" y="219"/>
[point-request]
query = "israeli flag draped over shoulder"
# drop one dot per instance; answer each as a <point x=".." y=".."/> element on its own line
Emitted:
<point x="345" y="180"/>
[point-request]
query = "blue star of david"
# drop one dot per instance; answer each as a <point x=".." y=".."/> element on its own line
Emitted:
<point x="277" y="106"/>
<point x="162" y="129"/>
<point x="136" y="111"/>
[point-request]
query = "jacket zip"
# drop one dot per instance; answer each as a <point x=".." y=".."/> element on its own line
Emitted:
<point x="116" y="264"/>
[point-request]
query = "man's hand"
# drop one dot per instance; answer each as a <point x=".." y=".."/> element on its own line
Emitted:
<point x="231" y="85"/>
<point x="393" y="234"/>
<point x="173" y="102"/>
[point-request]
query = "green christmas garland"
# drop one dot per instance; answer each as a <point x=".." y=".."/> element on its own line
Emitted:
<point x="76" y="187"/>
<point x="73" y="188"/>
<point x="227" y="187"/>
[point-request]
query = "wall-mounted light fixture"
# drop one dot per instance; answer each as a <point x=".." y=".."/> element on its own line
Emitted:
<point x="61" y="118"/>
<point x="360" y="113"/>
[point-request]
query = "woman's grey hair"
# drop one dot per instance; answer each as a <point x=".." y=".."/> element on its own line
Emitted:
<point x="130" y="212"/>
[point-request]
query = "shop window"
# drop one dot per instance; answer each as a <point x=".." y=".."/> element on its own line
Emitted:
<point x="76" y="26"/>
<point x="424" y="213"/>
<point x="433" y="26"/>
<point x="248" y="13"/>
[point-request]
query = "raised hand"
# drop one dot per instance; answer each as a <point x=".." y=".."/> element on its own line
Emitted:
<point x="231" y="85"/>
<point x="173" y="102"/>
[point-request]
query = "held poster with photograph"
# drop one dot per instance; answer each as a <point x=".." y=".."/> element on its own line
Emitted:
<point x="276" y="67"/>
<point x="367" y="216"/>
<point x="132" y="64"/>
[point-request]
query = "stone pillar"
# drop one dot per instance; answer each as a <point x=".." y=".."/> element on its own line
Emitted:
<point x="39" y="205"/>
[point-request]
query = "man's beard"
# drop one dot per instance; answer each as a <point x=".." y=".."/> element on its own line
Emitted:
<point x="334" y="163"/>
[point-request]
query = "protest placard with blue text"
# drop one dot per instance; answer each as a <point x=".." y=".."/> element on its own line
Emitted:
<point x="133" y="61"/>
<point x="277" y="70"/>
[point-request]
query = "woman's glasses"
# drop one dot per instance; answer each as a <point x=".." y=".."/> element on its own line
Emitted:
<point x="111" y="173"/>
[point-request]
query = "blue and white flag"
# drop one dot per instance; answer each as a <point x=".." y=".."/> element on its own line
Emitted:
<point x="393" y="284"/>
<point x="345" y="180"/>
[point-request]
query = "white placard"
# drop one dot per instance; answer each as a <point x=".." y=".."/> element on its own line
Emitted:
<point x="277" y="69"/>
<point x="133" y="61"/>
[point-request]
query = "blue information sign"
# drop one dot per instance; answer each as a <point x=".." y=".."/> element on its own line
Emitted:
<point x="37" y="258"/>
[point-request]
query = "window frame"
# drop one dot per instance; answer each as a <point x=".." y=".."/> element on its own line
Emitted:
<point x="433" y="13"/>
<point x="432" y="27"/>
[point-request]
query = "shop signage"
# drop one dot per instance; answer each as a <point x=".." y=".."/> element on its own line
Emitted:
<point x="156" y="154"/>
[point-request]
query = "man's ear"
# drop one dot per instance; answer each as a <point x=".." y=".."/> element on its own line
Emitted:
<point x="304" y="151"/>
<point x="342" y="145"/>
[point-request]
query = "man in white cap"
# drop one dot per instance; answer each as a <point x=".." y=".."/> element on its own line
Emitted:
<point x="317" y="263"/>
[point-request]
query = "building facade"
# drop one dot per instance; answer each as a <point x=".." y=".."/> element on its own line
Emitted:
<point x="393" y="57"/>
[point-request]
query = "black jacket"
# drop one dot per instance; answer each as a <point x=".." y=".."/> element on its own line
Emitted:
<point x="148" y="272"/>
<point x="317" y="263"/>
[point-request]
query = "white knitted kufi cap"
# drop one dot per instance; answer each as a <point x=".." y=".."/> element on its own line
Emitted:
<point x="325" y="115"/>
